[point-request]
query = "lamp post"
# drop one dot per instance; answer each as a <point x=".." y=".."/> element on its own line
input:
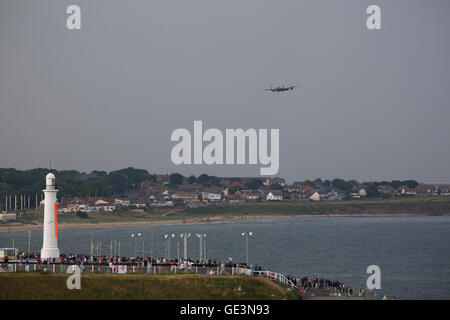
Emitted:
<point x="151" y="247"/>
<point x="201" y="237"/>
<point x="92" y="247"/>
<point x="135" y="236"/>
<point x="185" y="236"/>
<point x="246" y="235"/>
<point x="204" y="247"/>
<point x="168" y="236"/>
<point x="29" y="243"/>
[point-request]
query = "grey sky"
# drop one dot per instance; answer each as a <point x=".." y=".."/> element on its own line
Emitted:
<point x="371" y="105"/>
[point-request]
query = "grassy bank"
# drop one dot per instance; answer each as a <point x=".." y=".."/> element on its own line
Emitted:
<point x="37" y="285"/>
<point x="414" y="206"/>
<point x="92" y="218"/>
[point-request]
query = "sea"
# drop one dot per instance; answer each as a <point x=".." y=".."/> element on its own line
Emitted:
<point x="413" y="253"/>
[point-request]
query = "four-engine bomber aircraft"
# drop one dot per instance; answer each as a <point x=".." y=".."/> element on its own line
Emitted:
<point x="281" y="89"/>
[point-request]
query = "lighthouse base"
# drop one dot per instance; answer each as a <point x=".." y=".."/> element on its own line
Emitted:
<point x="50" y="253"/>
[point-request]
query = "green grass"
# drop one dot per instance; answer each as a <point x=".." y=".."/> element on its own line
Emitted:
<point x="36" y="285"/>
<point x="425" y="206"/>
<point x="93" y="217"/>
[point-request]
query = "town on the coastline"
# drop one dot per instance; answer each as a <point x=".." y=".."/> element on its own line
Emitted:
<point x="139" y="191"/>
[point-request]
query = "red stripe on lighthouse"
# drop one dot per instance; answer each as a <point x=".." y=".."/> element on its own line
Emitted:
<point x="56" y="221"/>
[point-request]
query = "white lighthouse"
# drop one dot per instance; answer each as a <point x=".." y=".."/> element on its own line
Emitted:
<point x="50" y="244"/>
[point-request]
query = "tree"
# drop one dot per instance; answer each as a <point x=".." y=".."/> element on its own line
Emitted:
<point x="208" y="180"/>
<point x="396" y="184"/>
<point x="340" y="184"/>
<point x="192" y="179"/>
<point x="276" y="186"/>
<point x="233" y="190"/>
<point x="308" y="182"/>
<point x="372" y="190"/>
<point x="326" y="183"/>
<point x="176" y="179"/>
<point x="410" y="183"/>
<point x="353" y="183"/>
<point x="99" y="173"/>
<point x="254" y="184"/>
<point x="318" y="182"/>
<point x="203" y="178"/>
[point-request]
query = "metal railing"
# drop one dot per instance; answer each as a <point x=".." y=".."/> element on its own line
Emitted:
<point x="277" y="277"/>
<point x="124" y="268"/>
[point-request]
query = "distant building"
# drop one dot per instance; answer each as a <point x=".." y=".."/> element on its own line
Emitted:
<point x="315" y="196"/>
<point x="162" y="204"/>
<point x="444" y="191"/>
<point x="235" y="198"/>
<point x="324" y="195"/>
<point x="274" y="195"/>
<point x="334" y="195"/>
<point x="423" y="191"/>
<point x="102" y="207"/>
<point x="386" y="189"/>
<point x="358" y="192"/>
<point x="406" y="191"/>
<point x="72" y="207"/>
<point x="211" y="196"/>
<point x="279" y="181"/>
<point x="236" y="184"/>
<point x="299" y="196"/>
<point x="250" y="196"/>
<point x="5" y="217"/>
<point x="119" y="202"/>
<point x="163" y="178"/>
<point x="275" y="180"/>
<point x="185" y="196"/>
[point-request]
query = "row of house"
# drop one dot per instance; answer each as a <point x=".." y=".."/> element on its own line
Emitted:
<point x="288" y="193"/>
<point x="419" y="191"/>
<point x="96" y="204"/>
<point x="159" y="194"/>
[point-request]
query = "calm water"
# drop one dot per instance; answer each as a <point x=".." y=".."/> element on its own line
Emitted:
<point x="412" y="252"/>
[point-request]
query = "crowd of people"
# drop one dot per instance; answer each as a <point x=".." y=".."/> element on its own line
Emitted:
<point x="336" y="287"/>
<point x="145" y="261"/>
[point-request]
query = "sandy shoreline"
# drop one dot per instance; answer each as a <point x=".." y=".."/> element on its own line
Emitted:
<point x="199" y="220"/>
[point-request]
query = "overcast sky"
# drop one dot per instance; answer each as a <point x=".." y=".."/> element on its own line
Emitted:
<point x="371" y="105"/>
